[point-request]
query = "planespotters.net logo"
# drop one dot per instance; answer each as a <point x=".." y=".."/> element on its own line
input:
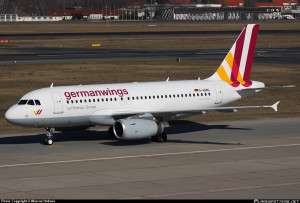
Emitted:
<point x="276" y="201"/>
<point x="27" y="201"/>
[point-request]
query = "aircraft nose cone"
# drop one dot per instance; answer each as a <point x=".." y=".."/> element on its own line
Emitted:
<point x="18" y="116"/>
<point x="10" y="115"/>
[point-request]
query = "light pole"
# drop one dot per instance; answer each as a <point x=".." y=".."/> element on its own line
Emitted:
<point x="151" y="10"/>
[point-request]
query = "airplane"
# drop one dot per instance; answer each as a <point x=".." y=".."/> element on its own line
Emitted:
<point x="138" y="110"/>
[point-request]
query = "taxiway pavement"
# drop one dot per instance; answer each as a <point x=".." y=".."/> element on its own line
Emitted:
<point x="160" y="33"/>
<point x="32" y="55"/>
<point x="239" y="159"/>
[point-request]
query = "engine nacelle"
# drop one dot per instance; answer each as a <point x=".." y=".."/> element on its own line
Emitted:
<point x="132" y="129"/>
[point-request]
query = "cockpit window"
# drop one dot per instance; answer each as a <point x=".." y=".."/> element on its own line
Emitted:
<point x="37" y="102"/>
<point x="22" y="102"/>
<point x="30" y="102"/>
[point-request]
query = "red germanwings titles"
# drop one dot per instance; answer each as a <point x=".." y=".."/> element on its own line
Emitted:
<point x="95" y="93"/>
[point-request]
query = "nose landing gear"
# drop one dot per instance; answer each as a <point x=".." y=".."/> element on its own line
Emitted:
<point x="49" y="136"/>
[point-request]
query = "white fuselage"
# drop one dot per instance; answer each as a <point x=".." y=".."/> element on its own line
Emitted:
<point x="68" y="106"/>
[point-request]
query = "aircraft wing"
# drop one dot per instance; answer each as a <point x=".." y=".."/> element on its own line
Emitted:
<point x="234" y="109"/>
<point x="172" y="115"/>
<point x="169" y="115"/>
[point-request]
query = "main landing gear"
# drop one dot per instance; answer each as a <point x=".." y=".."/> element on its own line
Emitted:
<point x="49" y="136"/>
<point x="160" y="138"/>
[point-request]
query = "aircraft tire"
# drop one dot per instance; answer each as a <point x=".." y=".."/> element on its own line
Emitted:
<point x="111" y="133"/>
<point x="163" y="137"/>
<point x="49" y="141"/>
<point x="160" y="138"/>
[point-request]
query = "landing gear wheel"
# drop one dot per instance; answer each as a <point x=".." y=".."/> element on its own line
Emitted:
<point x="49" y="139"/>
<point x="163" y="137"/>
<point x="111" y="133"/>
<point x="160" y="138"/>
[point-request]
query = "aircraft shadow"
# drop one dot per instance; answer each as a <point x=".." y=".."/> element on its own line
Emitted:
<point x="182" y="126"/>
<point x="176" y="127"/>
<point x="79" y="135"/>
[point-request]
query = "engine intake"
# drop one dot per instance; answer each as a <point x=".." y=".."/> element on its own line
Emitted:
<point x="132" y="129"/>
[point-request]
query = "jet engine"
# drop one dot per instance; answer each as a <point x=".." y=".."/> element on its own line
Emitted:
<point x="131" y="129"/>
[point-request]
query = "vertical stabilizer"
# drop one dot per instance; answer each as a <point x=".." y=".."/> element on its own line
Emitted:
<point x="236" y="67"/>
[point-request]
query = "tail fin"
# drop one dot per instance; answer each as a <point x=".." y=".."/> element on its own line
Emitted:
<point x="236" y="67"/>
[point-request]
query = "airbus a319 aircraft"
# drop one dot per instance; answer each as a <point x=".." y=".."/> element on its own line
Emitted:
<point x="138" y="110"/>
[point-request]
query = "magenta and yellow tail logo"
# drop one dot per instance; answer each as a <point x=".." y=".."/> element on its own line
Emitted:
<point x="236" y="67"/>
<point x="38" y="112"/>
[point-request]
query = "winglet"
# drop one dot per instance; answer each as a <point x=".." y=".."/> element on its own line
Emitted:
<point x="274" y="106"/>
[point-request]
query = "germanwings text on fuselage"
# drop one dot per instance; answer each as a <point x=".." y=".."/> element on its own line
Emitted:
<point x="95" y="93"/>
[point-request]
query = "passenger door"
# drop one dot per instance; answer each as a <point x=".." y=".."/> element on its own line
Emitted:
<point x="58" y="105"/>
<point x="219" y="94"/>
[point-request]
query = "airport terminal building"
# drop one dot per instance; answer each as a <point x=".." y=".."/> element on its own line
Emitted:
<point x="173" y="10"/>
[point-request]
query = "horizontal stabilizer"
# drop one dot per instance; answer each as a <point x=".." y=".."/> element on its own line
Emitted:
<point x="262" y="88"/>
